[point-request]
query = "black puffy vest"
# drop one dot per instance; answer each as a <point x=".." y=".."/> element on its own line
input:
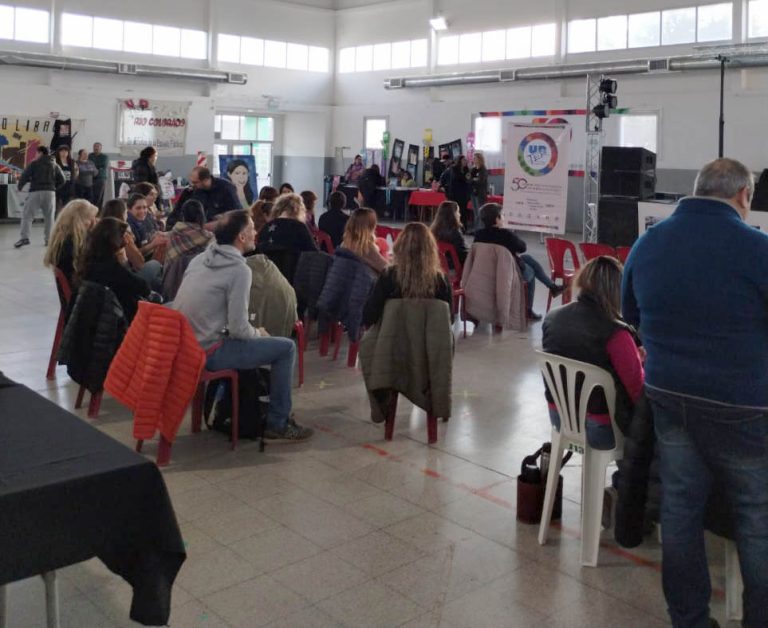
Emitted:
<point x="580" y="331"/>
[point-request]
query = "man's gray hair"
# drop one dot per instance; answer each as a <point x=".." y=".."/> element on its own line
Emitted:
<point x="723" y="178"/>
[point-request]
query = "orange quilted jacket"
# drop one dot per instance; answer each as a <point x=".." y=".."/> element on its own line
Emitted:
<point x="156" y="370"/>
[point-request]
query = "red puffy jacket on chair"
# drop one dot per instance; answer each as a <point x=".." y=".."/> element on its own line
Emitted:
<point x="156" y="370"/>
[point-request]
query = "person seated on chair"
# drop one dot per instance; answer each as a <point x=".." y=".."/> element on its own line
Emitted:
<point x="310" y="199"/>
<point x="150" y="270"/>
<point x="287" y="229"/>
<point x="415" y="274"/>
<point x="214" y="297"/>
<point x="494" y="233"/>
<point x="149" y="192"/>
<point x="143" y="225"/>
<point x="189" y="235"/>
<point x="360" y="238"/>
<point x="103" y="262"/>
<point x="68" y="236"/>
<point x="446" y="228"/>
<point x="591" y="330"/>
<point x="335" y="219"/>
<point x="261" y="213"/>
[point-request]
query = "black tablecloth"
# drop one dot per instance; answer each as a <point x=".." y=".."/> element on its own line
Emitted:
<point x="69" y="493"/>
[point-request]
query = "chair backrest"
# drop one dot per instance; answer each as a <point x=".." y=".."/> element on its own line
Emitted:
<point x="286" y="260"/>
<point x="556" y="251"/>
<point x="622" y="252"/>
<point x="591" y="250"/>
<point x="571" y="383"/>
<point x="65" y="290"/>
<point x="449" y="257"/>
<point x="323" y="241"/>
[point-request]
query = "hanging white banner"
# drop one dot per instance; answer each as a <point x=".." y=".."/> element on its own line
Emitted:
<point x="536" y="176"/>
<point x="158" y="123"/>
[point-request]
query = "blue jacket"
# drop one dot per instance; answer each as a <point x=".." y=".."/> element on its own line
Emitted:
<point x="696" y="286"/>
<point x="345" y="292"/>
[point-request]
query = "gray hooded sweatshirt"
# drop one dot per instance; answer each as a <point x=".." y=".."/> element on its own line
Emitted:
<point x="214" y="295"/>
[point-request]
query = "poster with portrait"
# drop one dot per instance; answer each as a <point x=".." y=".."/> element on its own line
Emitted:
<point x="397" y="157"/>
<point x="413" y="159"/>
<point x="240" y="170"/>
<point x="536" y="176"/>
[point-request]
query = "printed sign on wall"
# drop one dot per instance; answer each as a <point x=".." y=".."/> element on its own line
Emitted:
<point x="158" y="123"/>
<point x="536" y="177"/>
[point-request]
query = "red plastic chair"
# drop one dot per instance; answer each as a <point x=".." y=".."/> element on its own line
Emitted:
<point x="389" y="425"/>
<point x="93" y="405"/>
<point x="65" y="291"/>
<point x="622" y="252"/>
<point x="557" y="248"/>
<point x="199" y="399"/>
<point x="448" y="252"/>
<point x="301" y="341"/>
<point x="591" y="250"/>
<point x="323" y="241"/>
<point x="354" y="347"/>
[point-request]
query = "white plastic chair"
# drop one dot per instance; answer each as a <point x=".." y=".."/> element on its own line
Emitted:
<point x="561" y="375"/>
<point x="734" y="586"/>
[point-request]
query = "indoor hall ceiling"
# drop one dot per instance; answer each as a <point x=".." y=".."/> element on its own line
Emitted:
<point x="335" y="4"/>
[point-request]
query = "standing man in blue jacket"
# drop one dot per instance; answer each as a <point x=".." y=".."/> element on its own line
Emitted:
<point x="44" y="177"/>
<point x="696" y="286"/>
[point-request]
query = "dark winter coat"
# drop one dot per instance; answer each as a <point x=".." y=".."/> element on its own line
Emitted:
<point x="93" y="334"/>
<point x="309" y="279"/>
<point x="347" y="287"/>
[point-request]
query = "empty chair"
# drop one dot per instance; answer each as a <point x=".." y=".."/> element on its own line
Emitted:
<point x="557" y="249"/>
<point x="591" y="250"/>
<point x="571" y="383"/>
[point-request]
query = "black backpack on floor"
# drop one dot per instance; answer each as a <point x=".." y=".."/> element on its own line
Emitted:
<point x="252" y="420"/>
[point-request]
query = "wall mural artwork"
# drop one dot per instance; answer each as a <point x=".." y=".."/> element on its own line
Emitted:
<point x="21" y="135"/>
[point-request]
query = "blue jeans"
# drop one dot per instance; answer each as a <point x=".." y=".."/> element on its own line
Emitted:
<point x="532" y="270"/>
<point x="599" y="435"/>
<point x="278" y="354"/>
<point x="699" y="441"/>
<point x="152" y="273"/>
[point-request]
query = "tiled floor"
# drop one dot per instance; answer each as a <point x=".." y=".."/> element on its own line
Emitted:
<point x="348" y="530"/>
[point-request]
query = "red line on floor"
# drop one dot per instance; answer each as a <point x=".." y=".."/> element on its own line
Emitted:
<point x="484" y="493"/>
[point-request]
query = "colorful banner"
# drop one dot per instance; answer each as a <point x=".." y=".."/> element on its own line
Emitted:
<point x="536" y="178"/>
<point x="21" y="135"/>
<point x="241" y="172"/>
<point x="158" y="123"/>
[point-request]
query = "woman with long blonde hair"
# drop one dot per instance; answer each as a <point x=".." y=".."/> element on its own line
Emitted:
<point x="360" y="238"/>
<point x="416" y="273"/>
<point x="287" y="229"/>
<point x="68" y="236"/>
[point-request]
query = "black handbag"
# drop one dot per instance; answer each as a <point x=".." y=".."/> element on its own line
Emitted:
<point x="531" y="485"/>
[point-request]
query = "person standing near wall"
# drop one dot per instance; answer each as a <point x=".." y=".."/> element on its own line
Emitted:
<point x="460" y="188"/>
<point x="68" y="166"/>
<point x="44" y="177"/>
<point x="86" y="172"/>
<point x="101" y="161"/>
<point x="707" y="381"/>
<point x="144" y="168"/>
<point x="479" y="176"/>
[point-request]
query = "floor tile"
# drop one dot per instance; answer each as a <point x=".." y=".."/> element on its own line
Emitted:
<point x="214" y="571"/>
<point x="320" y="576"/>
<point x="256" y="602"/>
<point x="378" y="553"/>
<point x="372" y="605"/>
<point x="383" y="510"/>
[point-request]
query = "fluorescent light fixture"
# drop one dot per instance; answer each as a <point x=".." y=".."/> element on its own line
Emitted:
<point x="438" y="23"/>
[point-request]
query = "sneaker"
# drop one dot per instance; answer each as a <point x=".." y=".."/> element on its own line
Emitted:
<point x="293" y="432"/>
<point x="533" y="316"/>
<point x="20" y="243"/>
<point x="556" y="291"/>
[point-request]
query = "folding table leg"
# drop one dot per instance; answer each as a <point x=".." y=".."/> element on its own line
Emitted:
<point x="51" y="599"/>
